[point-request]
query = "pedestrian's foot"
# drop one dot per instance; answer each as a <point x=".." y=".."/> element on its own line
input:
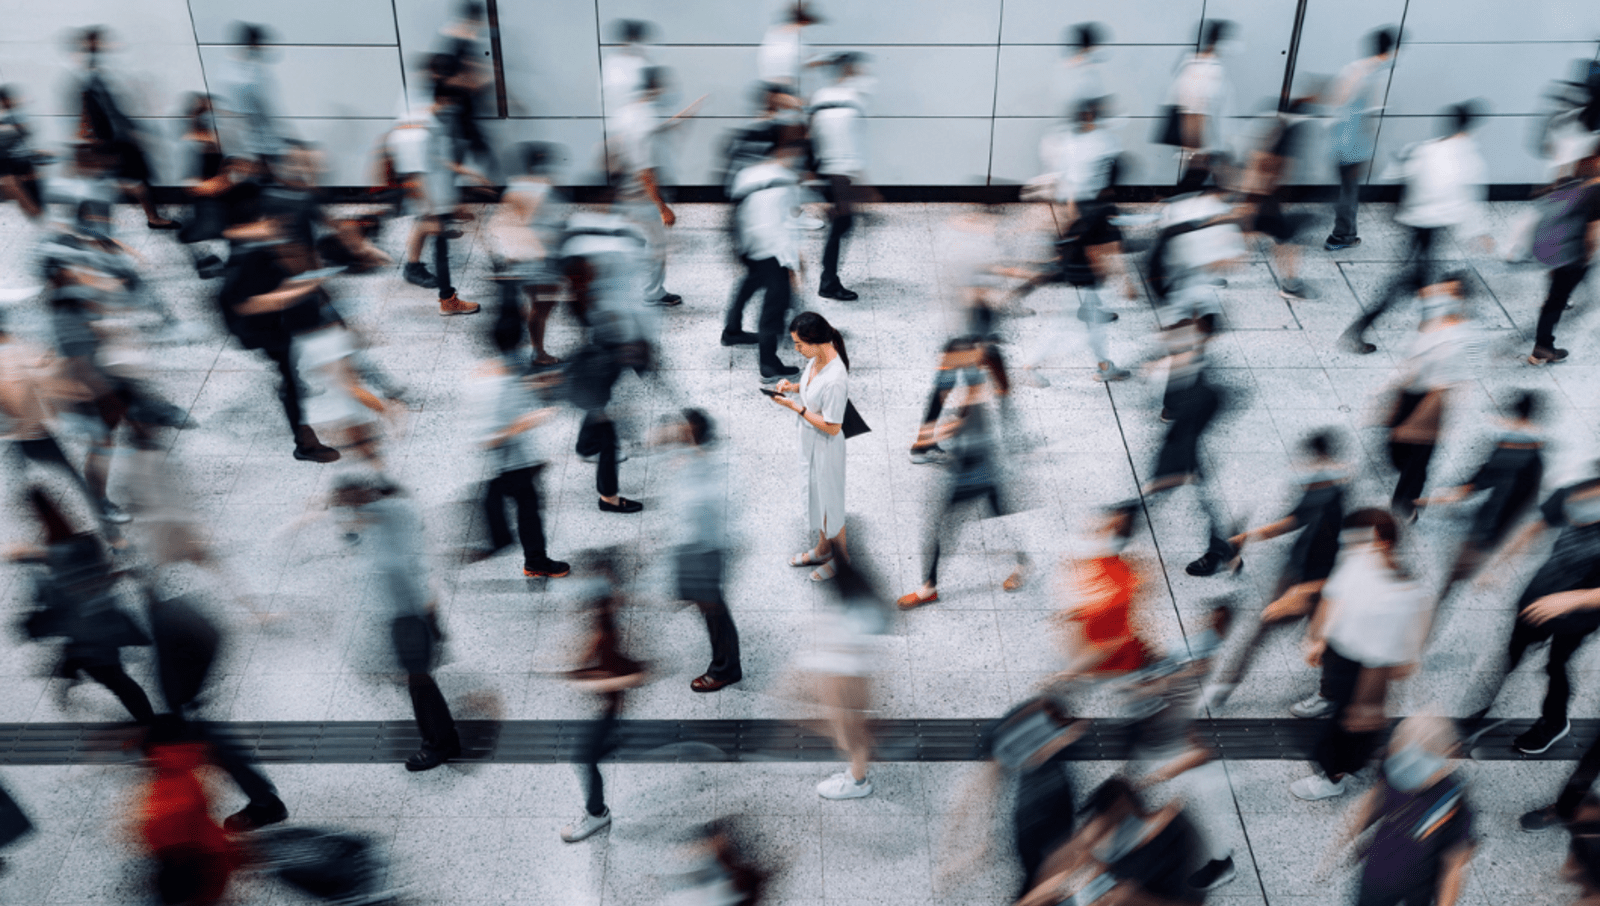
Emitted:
<point x="428" y="758"/>
<point x="623" y="505"/>
<point x="843" y="786"/>
<point x="1166" y="416"/>
<point x="915" y="599"/>
<point x="838" y="292"/>
<point x="318" y="452"/>
<point x="255" y="816"/>
<point x="1095" y="315"/>
<point x="1333" y="244"/>
<point x="1541" y="736"/>
<point x="1546" y="355"/>
<point x="455" y="306"/>
<point x="932" y="454"/>
<point x="113" y="514"/>
<point x="1313" y="707"/>
<point x="708" y="683"/>
<point x="824" y="572"/>
<point x="1108" y="373"/>
<point x="739" y="338"/>
<point x="1351" y="341"/>
<point x="1540" y="819"/>
<point x="668" y="300"/>
<point x="810" y="222"/>
<point x="1297" y="290"/>
<point x="1016" y="580"/>
<point x="1317" y="787"/>
<point x="772" y="375"/>
<point x="416" y="274"/>
<point x="1216" y="695"/>
<point x="549" y="569"/>
<point x="1207" y="565"/>
<point x="811" y="557"/>
<point x="627" y="675"/>
<point x="163" y="224"/>
<point x="208" y="267"/>
<point x="586" y="826"/>
<point x="1213" y="874"/>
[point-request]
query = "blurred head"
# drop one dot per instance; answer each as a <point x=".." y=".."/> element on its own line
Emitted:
<point x="8" y="96"/>
<point x="1087" y="114"/>
<point x="1420" y="752"/>
<point x="1322" y="444"/>
<point x="653" y="80"/>
<point x="847" y="64"/>
<point x="1084" y="37"/>
<point x="1112" y="801"/>
<point x="802" y="14"/>
<point x="631" y="31"/>
<point x="1219" y="619"/>
<point x="1370" y="526"/>
<point x="698" y="428"/>
<point x="1215" y="32"/>
<point x="1526" y="406"/>
<point x="251" y="36"/>
<point x="93" y="41"/>
<point x="1461" y="118"/>
<point x="537" y="158"/>
<point x="358" y="489"/>
<point x="470" y="11"/>
<point x="811" y="332"/>
<point x="1445" y="298"/>
<point x="1381" y="42"/>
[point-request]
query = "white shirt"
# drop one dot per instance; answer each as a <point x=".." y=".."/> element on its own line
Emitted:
<point x="498" y="399"/>
<point x="1379" y="617"/>
<point x="631" y="134"/>
<point x="765" y="194"/>
<point x="1207" y="245"/>
<point x="1080" y="161"/>
<point x="778" y="59"/>
<point x="1442" y="356"/>
<point x="622" y="75"/>
<point x="1200" y="86"/>
<point x="1078" y="79"/>
<point x="1445" y="184"/>
<point x="836" y="128"/>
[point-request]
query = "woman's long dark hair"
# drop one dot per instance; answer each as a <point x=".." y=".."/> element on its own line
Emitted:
<point x="814" y="328"/>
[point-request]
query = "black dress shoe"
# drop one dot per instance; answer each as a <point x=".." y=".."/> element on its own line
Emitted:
<point x="623" y="505"/>
<point x="774" y="375"/>
<point x="1095" y="315"/>
<point x="739" y="338"/>
<point x="255" y="816"/>
<point x="426" y="758"/>
<point x="670" y="300"/>
<point x="837" y="291"/>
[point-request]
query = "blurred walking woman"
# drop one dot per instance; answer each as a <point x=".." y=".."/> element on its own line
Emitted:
<point x="821" y="395"/>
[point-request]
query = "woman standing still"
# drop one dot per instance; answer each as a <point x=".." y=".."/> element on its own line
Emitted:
<point x="823" y="392"/>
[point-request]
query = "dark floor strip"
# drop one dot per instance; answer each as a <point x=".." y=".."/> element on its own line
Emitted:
<point x="694" y="741"/>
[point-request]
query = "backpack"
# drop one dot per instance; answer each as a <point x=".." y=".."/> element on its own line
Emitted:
<point x="1558" y="238"/>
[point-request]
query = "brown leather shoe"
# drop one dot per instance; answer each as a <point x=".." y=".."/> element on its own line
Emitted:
<point x="707" y="683"/>
<point x="454" y="306"/>
<point x="914" y="599"/>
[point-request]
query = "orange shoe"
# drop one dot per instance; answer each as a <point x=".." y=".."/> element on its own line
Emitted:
<point x="454" y="306"/>
<point x="915" y="599"/>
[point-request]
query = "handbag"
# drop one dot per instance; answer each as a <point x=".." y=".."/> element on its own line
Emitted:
<point x="853" y="424"/>
<point x="1169" y="128"/>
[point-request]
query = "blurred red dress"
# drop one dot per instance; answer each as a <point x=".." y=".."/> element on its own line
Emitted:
<point x="177" y="826"/>
<point x="1106" y="586"/>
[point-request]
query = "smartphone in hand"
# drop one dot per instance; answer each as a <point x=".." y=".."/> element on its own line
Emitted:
<point x="772" y="393"/>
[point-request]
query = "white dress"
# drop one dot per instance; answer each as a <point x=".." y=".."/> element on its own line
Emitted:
<point x="824" y="392"/>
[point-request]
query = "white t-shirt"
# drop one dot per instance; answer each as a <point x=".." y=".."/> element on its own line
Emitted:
<point x="836" y="128"/>
<point x="1379" y="617"/>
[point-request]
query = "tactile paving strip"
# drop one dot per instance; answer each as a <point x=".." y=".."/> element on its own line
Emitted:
<point x="556" y="741"/>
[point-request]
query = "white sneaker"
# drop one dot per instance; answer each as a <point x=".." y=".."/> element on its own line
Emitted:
<point x="809" y="222"/>
<point x="586" y="826"/>
<point x="1313" y="707"/>
<point x="1216" y="695"/>
<point x="844" y="786"/>
<point x="1316" y="787"/>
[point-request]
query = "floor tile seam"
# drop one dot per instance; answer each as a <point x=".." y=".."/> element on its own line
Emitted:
<point x="1244" y="828"/>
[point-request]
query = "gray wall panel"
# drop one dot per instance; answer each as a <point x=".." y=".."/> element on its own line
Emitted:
<point x="930" y="81"/>
<point x="552" y="66"/>
<point x="1137" y="76"/>
<point x="349" y="147"/>
<point x="579" y="141"/>
<point x="898" y="151"/>
<point x="1130" y="21"/>
<point x="1510" y="77"/>
<point x="697" y="22"/>
<point x="1489" y="20"/>
<point x="1016" y="151"/>
<point x="1335" y="32"/>
<point x="725" y="73"/>
<point x="339" y="82"/>
<point x="922" y="22"/>
<point x="297" y="21"/>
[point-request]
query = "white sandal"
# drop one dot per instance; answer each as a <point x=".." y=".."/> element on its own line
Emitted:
<point x="810" y="558"/>
<point x="824" y="572"/>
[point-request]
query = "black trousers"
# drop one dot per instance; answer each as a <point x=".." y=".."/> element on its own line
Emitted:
<point x="1422" y="893"/>
<point x="1563" y="645"/>
<point x="1412" y="461"/>
<point x="598" y="742"/>
<point x="1563" y="280"/>
<point x="434" y="721"/>
<point x="46" y="452"/>
<point x="113" y="677"/>
<point x="1341" y="751"/>
<point x="598" y="437"/>
<point x="958" y="499"/>
<point x="1344" y="210"/>
<point x="772" y="280"/>
<point x="522" y="487"/>
<point x="841" y="194"/>
<point x="1578" y="784"/>
<point x="282" y="355"/>
<point x="1414" y="275"/>
<point x="700" y="581"/>
<point x="235" y="761"/>
<point x="441" y="259"/>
